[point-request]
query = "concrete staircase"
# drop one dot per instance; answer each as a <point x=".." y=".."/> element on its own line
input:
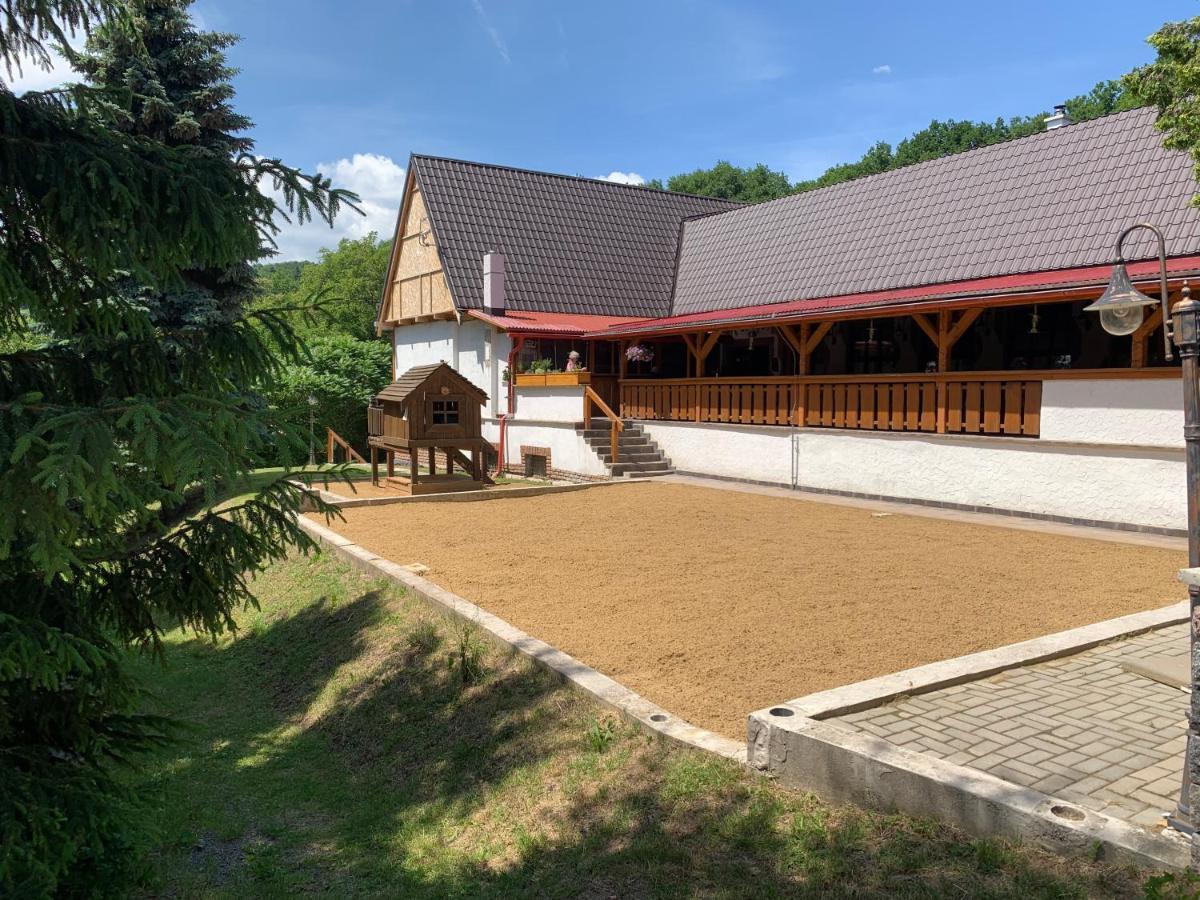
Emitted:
<point x="637" y="455"/>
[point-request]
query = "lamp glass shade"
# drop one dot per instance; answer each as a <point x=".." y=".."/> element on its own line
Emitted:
<point x="1120" y="320"/>
<point x="1122" y="307"/>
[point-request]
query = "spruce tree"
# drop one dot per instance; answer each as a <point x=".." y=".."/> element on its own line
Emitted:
<point x="130" y="212"/>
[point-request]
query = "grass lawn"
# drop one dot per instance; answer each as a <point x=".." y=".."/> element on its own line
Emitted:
<point x="349" y="743"/>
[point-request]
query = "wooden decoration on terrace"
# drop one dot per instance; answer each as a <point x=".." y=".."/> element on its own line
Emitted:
<point x="432" y="409"/>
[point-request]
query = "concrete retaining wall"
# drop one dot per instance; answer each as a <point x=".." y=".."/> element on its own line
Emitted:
<point x="1121" y="485"/>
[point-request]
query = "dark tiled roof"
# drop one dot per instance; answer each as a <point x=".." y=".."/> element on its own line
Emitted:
<point x="1054" y="200"/>
<point x="575" y="245"/>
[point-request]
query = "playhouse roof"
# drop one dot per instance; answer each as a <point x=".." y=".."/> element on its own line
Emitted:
<point x="400" y="389"/>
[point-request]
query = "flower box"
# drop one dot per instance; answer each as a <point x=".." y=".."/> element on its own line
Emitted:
<point x="554" y="379"/>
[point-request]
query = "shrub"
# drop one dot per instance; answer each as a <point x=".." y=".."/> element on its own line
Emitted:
<point x="342" y="375"/>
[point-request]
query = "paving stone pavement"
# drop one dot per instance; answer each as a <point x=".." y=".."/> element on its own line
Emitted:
<point x="1078" y="728"/>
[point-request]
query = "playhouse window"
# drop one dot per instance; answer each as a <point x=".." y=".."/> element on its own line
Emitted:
<point x="445" y="412"/>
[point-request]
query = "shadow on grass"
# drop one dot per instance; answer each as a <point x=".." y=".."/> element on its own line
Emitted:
<point x="337" y="755"/>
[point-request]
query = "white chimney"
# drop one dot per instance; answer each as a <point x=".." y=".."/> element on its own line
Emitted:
<point x="1059" y="119"/>
<point x="493" y="283"/>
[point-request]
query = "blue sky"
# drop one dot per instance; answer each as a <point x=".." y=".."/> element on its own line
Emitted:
<point x="650" y="88"/>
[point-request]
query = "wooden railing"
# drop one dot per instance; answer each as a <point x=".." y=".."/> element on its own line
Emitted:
<point x="956" y="403"/>
<point x="333" y="440"/>
<point x="592" y="399"/>
<point x="374" y="420"/>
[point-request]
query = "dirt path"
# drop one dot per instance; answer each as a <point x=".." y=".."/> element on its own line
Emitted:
<point x="715" y="603"/>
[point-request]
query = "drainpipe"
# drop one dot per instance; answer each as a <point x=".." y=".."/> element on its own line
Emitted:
<point x="502" y="461"/>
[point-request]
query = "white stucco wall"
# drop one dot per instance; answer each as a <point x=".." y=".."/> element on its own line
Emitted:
<point x="568" y="451"/>
<point x="1131" y="486"/>
<point x="550" y="404"/>
<point x="1146" y="412"/>
<point x="477" y="350"/>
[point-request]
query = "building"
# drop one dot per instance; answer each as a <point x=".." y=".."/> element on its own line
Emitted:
<point x="916" y="334"/>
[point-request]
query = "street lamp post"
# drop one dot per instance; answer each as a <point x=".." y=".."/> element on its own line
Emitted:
<point x="312" y="447"/>
<point x="1122" y="309"/>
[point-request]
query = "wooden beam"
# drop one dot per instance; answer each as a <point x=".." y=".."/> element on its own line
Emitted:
<point x="943" y="341"/>
<point x="802" y="364"/>
<point x="703" y="348"/>
<point x="792" y="338"/>
<point x="1141" y="338"/>
<point x="943" y="365"/>
<point x="965" y="320"/>
<point x="927" y="327"/>
<point x="816" y="337"/>
<point x="692" y="352"/>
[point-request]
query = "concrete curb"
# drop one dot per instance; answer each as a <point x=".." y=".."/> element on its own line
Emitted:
<point x="609" y="693"/>
<point x="792" y="743"/>
<point x="458" y="496"/>
<point x="946" y="673"/>
<point x="850" y="767"/>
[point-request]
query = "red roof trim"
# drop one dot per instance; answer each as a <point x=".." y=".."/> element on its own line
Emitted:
<point x="550" y="323"/>
<point x="954" y="290"/>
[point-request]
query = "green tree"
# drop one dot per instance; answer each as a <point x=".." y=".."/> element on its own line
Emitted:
<point x="1172" y="83"/>
<point x="752" y="185"/>
<point x="341" y="374"/>
<point x="130" y="212"/>
<point x="350" y="276"/>
<point x="937" y="140"/>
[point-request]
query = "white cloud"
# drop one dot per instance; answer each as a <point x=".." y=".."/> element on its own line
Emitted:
<point x="34" y="78"/>
<point x="624" y="178"/>
<point x="379" y="183"/>
<point x="492" y="31"/>
<point x="885" y="69"/>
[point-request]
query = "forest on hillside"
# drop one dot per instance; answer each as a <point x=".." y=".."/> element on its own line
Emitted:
<point x="754" y="184"/>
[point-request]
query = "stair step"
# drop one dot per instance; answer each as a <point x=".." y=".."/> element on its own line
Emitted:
<point x="628" y="468"/>
<point x="645" y="456"/>
<point x="622" y="441"/>
<point x="656" y="473"/>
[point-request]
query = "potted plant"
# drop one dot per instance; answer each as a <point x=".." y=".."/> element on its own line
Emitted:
<point x="536" y="374"/>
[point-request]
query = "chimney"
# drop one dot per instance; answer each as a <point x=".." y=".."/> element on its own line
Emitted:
<point x="493" y="283"/>
<point x="1059" y="119"/>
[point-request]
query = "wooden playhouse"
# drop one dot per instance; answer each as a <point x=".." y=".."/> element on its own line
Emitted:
<point x="432" y="409"/>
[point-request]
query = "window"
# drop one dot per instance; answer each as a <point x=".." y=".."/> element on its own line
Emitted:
<point x="445" y="412"/>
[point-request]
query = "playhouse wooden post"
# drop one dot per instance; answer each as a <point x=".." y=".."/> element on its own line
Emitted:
<point x="391" y="463"/>
<point x="374" y="465"/>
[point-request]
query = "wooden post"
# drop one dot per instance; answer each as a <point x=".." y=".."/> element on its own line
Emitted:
<point x="329" y="445"/>
<point x="391" y="463"/>
<point x="810" y="338"/>
<point x="943" y="366"/>
<point x="623" y="363"/>
<point x="1141" y="338"/>
<point x="374" y="465"/>
<point x="413" y="466"/>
